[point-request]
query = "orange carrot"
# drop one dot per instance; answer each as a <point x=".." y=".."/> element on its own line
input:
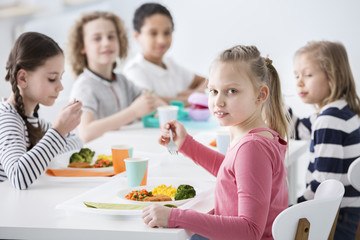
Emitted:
<point x="213" y="143"/>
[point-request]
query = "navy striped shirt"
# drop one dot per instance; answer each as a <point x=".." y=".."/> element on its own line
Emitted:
<point x="335" y="144"/>
<point x="20" y="166"/>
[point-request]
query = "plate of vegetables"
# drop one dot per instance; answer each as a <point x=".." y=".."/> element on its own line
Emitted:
<point x="146" y="195"/>
<point x="83" y="159"/>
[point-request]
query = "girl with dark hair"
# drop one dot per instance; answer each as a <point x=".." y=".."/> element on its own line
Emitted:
<point x="152" y="69"/>
<point x="27" y="143"/>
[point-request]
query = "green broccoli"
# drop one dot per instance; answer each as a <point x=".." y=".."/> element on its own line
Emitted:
<point x="76" y="157"/>
<point x="84" y="155"/>
<point x="87" y="154"/>
<point x="185" y="192"/>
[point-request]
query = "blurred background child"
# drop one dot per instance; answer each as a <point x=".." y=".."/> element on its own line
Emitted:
<point x="109" y="99"/>
<point x="27" y="143"/>
<point x="324" y="79"/>
<point x="151" y="69"/>
<point x="251" y="178"/>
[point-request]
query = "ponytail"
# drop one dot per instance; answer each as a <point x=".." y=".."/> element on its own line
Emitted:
<point x="277" y="117"/>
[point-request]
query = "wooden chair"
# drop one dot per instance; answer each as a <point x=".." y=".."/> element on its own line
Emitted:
<point x="354" y="179"/>
<point x="313" y="219"/>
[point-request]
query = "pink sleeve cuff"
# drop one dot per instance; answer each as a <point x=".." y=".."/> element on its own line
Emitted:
<point x="172" y="218"/>
<point x="186" y="144"/>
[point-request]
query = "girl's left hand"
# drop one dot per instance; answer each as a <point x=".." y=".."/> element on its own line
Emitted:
<point x="156" y="215"/>
<point x="68" y="118"/>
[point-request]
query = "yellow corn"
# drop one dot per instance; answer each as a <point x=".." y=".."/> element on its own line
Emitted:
<point x="163" y="189"/>
<point x="104" y="157"/>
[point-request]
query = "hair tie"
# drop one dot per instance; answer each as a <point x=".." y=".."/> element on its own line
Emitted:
<point x="268" y="61"/>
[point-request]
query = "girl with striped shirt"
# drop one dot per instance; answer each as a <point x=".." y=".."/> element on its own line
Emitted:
<point x="27" y="144"/>
<point x="324" y="78"/>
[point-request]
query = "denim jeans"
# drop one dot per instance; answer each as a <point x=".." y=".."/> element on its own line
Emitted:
<point x="197" y="237"/>
<point x="347" y="224"/>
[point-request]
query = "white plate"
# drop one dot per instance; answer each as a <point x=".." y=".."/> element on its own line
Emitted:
<point x="62" y="160"/>
<point x="108" y="193"/>
<point x="125" y="191"/>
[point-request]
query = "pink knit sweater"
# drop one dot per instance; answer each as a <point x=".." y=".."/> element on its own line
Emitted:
<point x="250" y="188"/>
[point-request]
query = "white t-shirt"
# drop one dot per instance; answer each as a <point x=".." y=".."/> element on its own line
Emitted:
<point x="164" y="82"/>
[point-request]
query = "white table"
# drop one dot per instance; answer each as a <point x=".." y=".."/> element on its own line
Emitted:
<point x="32" y="213"/>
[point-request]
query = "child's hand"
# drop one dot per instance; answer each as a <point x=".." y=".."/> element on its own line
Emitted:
<point x="156" y="215"/>
<point x="159" y="102"/>
<point x="68" y="118"/>
<point x="186" y="93"/>
<point x="178" y="130"/>
<point x="143" y="105"/>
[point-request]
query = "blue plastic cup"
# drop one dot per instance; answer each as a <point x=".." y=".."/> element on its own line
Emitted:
<point x="136" y="171"/>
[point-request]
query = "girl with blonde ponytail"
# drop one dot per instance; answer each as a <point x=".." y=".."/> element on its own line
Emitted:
<point x="27" y="143"/>
<point x="245" y="95"/>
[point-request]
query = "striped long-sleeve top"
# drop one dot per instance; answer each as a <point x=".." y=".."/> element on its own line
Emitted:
<point x="20" y="166"/>
<point x="335" y="143"/>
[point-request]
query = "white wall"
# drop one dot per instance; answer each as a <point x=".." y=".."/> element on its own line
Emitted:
<point x="203" y="28"/>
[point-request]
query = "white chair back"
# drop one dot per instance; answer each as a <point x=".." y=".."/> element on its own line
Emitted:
<point x="320" y="212"/>
<point x="354" y="179"/>
<point x="330" y="188"/>
<point x="354" y="174"/>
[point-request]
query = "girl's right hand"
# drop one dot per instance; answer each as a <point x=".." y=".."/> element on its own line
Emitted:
<point x="144" y="104"/>
<point x="68" y="118"/>
<point x="178" y="130"/>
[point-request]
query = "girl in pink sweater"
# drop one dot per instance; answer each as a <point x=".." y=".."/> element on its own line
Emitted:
<point x="245" y="94"/>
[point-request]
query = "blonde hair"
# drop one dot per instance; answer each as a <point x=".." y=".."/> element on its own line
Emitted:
<point x="262" y="72"/>
<point x="76" y="39"/>
<point x="333" y="60"/>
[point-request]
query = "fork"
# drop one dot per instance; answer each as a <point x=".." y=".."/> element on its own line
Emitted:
<point x="173" y="149"/>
